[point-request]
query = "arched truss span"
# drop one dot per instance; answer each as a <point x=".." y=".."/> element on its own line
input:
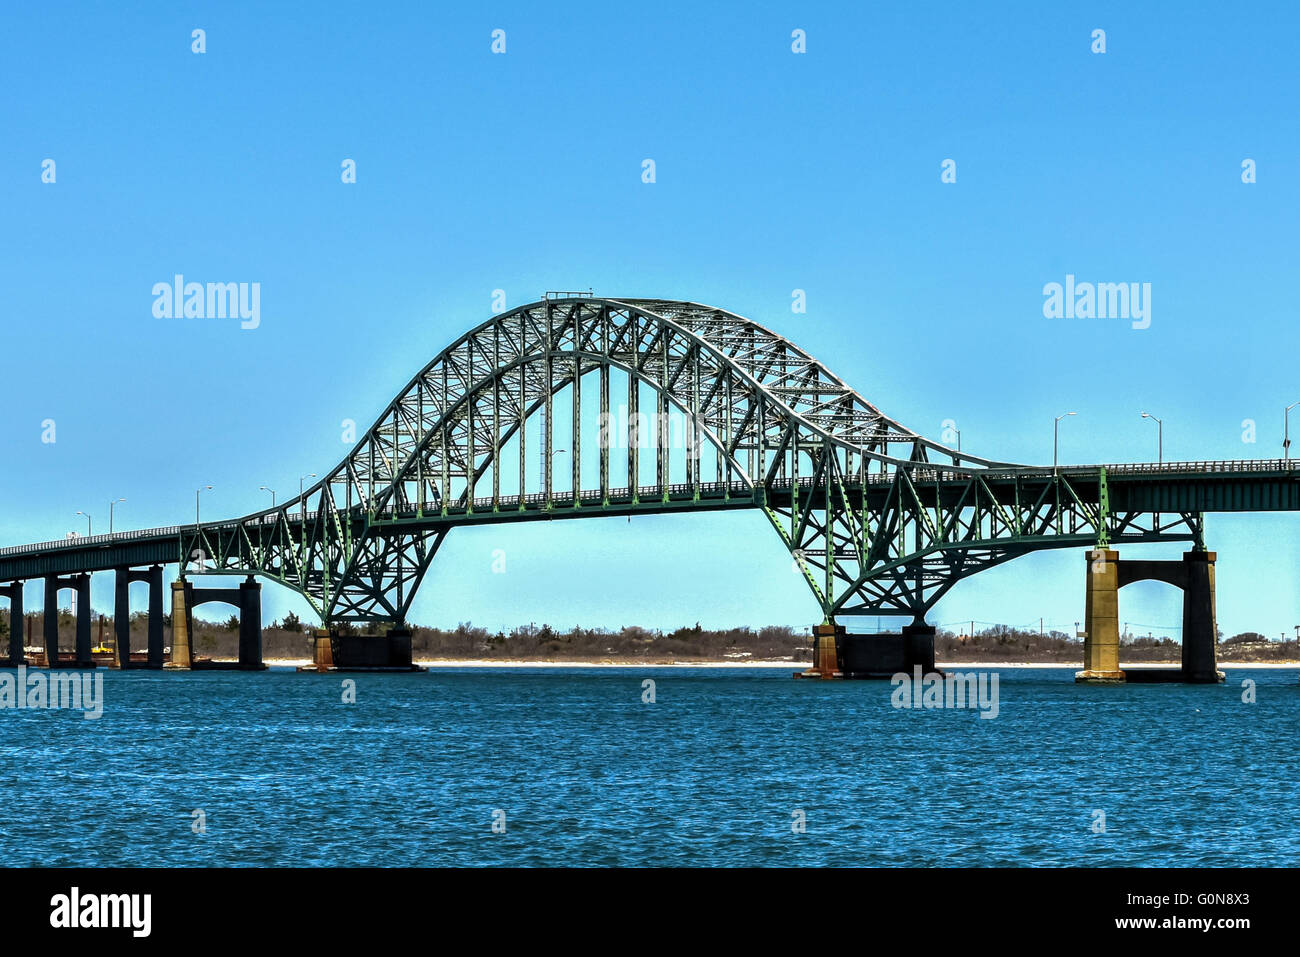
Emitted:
<point x="660" y="405"/>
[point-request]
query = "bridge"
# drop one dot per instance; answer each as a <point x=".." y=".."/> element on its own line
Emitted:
<point x="665" y="406"/>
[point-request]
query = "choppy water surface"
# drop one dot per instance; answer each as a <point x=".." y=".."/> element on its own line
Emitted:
<point x="711" y="773"/>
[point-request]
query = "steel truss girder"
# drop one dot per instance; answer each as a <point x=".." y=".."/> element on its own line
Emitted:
<point x="879" y="518"/>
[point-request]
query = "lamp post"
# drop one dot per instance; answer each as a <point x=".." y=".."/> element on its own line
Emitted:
<point x="196" y="502"/>
<point x="263" y="488"/>
<point x="110" y="513"/>
<point x="303" y="506"/>
<point x="1160" y="457"/>
<point x="87" y="516"/>
<point x="1056" y="435"/>
<point x="1286" y="431"/>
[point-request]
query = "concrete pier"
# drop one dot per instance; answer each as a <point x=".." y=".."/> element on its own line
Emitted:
<point x="122" y="615"/>
<point x="250" y="624"/>
<point x="1107" y="574"/>
<point x="388" y="652"/>
<point x="50" y="624"/>
<point x="1101" y="619"/>
<point x="248" y="599"/>
<point x="125" y="577"/>
<point x="182" y="627"/>
<point x="826" y="652"/>
<point x="155" y="579"/>
<point x="1200" y="620"/>
<point x="17" y="618"/>
<point x="837" y="654"/>
<point x="82" y="585"/>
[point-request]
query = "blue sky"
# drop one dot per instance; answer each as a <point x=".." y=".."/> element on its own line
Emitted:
<point x="522" y="171"/>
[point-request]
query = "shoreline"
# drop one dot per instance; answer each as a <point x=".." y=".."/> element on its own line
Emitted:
<point x="765" y="663"/>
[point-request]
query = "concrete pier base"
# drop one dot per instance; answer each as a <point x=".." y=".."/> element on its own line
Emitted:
<point x="250" y="625"/>
<point x="837" y="654"/>
<point x="1200" y="620"/>
<point x="182" y="627"/>
<point x="1101" y="620"/>
<point x="826" y="652"/>
<point x="1107" y="575"/>
<point x="389" y="652"/>
<point x="885" y="655"/>
<point x="14" y="592"/>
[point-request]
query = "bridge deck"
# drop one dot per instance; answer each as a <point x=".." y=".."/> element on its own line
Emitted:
<point x="1213" y="486"/>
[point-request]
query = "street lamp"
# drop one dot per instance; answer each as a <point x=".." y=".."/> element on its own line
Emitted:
<point x="263" y="488"/>
<point x="196" y="502"/>
<point x="110" y="513"/>
<point x="1056" y="433"/>
<point x="1286" y="431"/>
<point x="301" y="479"/>
<point x="1159" y="422"/>
<point x="87" y="515"/>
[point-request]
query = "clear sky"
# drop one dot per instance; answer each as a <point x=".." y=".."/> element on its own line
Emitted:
<point x="522" y="171"/>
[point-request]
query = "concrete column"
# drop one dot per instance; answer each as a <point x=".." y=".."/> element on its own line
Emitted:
<point x="17" y="619"/>
<point x="399" y="646"/>
<point x="155" y="617"/>
<point x="51" y="624"/>
<point x="1101" y="614"/>
<point x="1200" y="621"/>
<point x="122" y="615"/>
<point x="83" y="621"/>
<point x="918" y="639"/>
<point x="250" y="624"/>
<point x="181" y="656"/>
<point x="826" y="658"/>
<point x="324" y="651"/>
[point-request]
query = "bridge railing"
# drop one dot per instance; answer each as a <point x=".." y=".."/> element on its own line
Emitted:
<point x="920" y="473"/>
<point x="81" y="541"/>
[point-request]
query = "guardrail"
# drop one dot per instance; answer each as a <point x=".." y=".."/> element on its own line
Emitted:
<point x="921" y="472"/>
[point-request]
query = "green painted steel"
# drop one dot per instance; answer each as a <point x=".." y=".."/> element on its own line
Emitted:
<point x="879" y="519"/>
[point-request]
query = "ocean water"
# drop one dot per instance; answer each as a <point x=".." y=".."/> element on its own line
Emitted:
<point x="712" y="773"/>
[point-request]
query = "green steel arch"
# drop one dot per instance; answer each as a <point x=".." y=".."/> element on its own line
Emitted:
<point x="664" y="406"/>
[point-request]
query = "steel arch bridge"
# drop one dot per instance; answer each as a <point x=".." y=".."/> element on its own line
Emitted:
<point x="667" y="406"/>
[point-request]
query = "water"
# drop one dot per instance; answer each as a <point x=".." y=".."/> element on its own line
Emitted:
<point x="411" y="774"/>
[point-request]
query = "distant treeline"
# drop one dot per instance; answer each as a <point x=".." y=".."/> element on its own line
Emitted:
<point x="291" y="639"/>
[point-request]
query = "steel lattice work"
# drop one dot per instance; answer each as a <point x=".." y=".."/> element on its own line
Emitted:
<point x="665" y="406"/>
<point x="881" y="520"/>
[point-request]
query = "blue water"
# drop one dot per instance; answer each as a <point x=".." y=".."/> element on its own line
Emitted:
<point x="411" y="774"/>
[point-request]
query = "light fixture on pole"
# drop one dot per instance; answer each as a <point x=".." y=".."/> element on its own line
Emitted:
<point x="263" y="488"/>
<point x="110" y="513"/>
<point x="303" y="506"/>
<point x="1286" y="431"/>
<point x="1056" y="434"/>
<point x="1160" y="458"/>
<point x="196" y="501"/>
<point x="87" y="515"/>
